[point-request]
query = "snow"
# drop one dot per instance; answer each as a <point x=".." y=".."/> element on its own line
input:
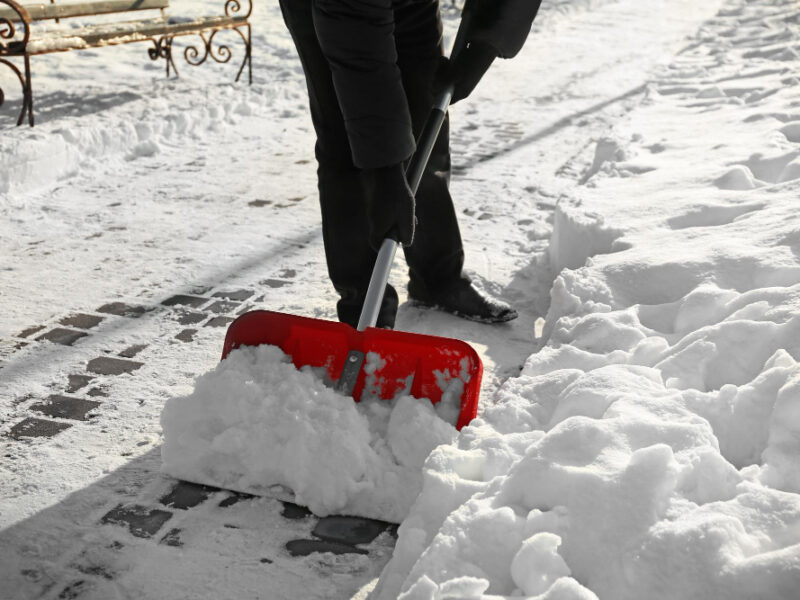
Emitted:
<point x="629" y="183"/>
<point x="256" y="422"/>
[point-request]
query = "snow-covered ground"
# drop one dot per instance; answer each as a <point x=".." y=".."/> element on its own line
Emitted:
<point x="629" y="182"/>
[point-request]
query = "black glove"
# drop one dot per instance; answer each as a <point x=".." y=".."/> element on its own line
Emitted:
<point x="390" y="206"/>
<point x="465" y="70"/>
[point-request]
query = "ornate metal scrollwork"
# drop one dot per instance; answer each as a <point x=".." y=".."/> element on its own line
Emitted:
<point x="199" y="53"/>
<point x="158" y="50"/>
<point x="196" y="55"/>
<point x="7" y="30"/>
<point x="10" y="29"/>
<point x="221" y="54"/>
<point x="162" y="48"/>
<point x="233" y="8"/>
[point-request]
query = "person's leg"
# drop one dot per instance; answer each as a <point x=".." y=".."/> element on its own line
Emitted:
<point x="343" y="205"/>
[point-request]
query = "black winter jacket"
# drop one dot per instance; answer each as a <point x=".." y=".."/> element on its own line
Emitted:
<point x="357" y="39"/>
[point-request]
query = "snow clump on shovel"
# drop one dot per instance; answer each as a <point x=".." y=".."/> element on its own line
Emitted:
<point x="256" y="422"/>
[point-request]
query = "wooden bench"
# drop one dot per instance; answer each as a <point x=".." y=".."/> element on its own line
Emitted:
<point x="23" y="36"/>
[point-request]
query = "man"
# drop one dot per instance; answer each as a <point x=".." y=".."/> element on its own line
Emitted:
<point x="371" y="68"/>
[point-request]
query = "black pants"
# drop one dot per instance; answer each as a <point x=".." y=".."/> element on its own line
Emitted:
<point x="436" y="257"/>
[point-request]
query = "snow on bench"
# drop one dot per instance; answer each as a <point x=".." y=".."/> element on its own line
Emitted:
<point x="22" y="34"/>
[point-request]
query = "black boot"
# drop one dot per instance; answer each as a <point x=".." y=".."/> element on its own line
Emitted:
<point x="463" y="300"/>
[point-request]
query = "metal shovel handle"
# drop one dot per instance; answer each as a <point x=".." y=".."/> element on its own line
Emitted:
<point x="414" y="171"/>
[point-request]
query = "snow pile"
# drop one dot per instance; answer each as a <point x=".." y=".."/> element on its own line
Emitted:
<point x="50" y="153"/>
<point x="608" y="476"/>
<point x="256" y="422"/>
<point x="650" y="448"/>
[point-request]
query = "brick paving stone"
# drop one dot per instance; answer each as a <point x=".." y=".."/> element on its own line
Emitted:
<point x="219" y="322"/>
<point x="185" y="300"/>
<point x="223" y="306"/>
<point x="22" y="399"/>
<point x="33" y="427"/>
<point x="234" y="498"/>
<point x="349" y="530"/>
<point x="8" y="347"/>
<point x="141" y="521"/>
<point x="77" y="382"/>
<point x="106" y="365"/>
<point x="121" y="309"/>
<point x="190" y="317"/>
<point x="132" y="351"/>
<point x="295" y="511"/>
<point x="306" y="547"/>
<point x="186" y="495"/>
<point x="275" y="283"/>
<point x="65" y="337"/>
<point x="187" y="335"/>
<point x="238" y="295"/>
<point x="172" y="538"/>
<point x="30" y="331"/>
<point x="82" y="321"/>
<point x="65" y="407"/>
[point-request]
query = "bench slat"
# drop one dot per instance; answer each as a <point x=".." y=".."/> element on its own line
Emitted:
<point x="40" y="12"/>
<point x="123" y="33"/>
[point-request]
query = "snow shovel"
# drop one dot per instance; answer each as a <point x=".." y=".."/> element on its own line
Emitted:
<point x="424" y="366"/>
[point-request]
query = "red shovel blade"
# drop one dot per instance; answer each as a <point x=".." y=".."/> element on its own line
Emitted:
<point x="431" y="361"/>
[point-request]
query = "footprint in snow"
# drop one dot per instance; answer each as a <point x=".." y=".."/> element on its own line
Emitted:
<point x="773" y="169"/>
<point x="792" y="131"/>
<point x="738" y="178"/>
<point x="712" y="216"/>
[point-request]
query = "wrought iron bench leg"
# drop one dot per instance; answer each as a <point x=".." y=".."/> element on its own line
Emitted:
<point x="168" y="56"/>
<point x="28" y="99"/>
<point x="162" y="48"/>
<point x="248" y="54"/>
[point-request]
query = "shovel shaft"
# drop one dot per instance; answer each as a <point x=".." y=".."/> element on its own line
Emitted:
<point x="388" y="249"/>
<point x="427" y="139"/>
<point x="377" y="284"/>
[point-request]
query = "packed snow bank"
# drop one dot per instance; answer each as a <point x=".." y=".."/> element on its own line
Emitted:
<point x="144" y="127"/>
<point x="625" y="481"/>
<point x="256" y="422"/>
<point x="649" y="450"/>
